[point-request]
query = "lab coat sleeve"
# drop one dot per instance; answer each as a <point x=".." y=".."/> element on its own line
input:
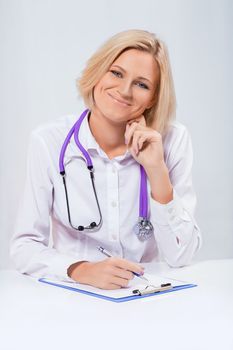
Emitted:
<point x="30" y="249"/>
<point x="176" y="231"/>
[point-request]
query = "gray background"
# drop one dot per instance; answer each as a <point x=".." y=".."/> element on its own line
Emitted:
<point x="44" y="46"/>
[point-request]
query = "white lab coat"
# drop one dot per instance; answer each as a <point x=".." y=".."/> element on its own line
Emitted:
<point x="43" y="213"/>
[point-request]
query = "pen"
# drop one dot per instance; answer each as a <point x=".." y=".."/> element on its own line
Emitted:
<point x="106" y="253"/>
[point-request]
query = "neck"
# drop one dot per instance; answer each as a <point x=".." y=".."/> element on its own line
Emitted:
<point x="108" y="134"/>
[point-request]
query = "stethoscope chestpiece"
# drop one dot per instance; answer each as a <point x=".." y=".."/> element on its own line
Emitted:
<point x="143" y="229"/>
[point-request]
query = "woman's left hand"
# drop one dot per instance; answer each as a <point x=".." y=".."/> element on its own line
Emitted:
<point x="145" y="143"/>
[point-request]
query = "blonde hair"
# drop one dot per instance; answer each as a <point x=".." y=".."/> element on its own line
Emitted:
<point x="162" y="112"/>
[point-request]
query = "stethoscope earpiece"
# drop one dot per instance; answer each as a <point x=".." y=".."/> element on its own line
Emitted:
<point x="92" y="225"/>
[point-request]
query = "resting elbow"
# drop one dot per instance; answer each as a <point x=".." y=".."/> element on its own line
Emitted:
<point x="184" y="255"/>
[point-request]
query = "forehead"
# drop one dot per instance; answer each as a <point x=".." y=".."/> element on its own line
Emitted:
<point x="139" y="63"/>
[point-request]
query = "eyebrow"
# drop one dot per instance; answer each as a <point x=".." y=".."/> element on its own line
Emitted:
<point x="141" y="78"/>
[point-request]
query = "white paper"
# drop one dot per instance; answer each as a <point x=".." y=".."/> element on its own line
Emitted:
<point x="136" y="283"/>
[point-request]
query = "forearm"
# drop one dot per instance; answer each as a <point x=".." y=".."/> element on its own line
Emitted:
<point x="37" y="259"/>
<point x="177" y="235"/>
<point x="178" y="248"/>
<point x="160" y="184"/>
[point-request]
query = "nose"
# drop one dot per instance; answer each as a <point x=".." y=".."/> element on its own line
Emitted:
<point x="125" y="89"/>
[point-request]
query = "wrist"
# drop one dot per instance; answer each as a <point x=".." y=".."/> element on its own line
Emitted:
<point x="160" y="184"/>
<point x="75" y="270"/>
<point x="159" y="168"/>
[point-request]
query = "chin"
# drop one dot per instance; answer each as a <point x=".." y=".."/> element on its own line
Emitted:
<point x="117" y="118"/>
<point x="115" y="114"/>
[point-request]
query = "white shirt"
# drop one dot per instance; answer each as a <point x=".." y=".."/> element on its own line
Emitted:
<point x="43" y="208"/>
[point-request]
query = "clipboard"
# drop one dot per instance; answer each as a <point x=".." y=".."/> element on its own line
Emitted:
<point x="133" y="292"/>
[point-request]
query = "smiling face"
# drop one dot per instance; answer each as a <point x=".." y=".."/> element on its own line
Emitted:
<point x="128" y="88"/>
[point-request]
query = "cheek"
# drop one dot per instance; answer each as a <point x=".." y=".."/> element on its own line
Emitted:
<point x="98" y="91"/>
<point x="100" y="97"/>
<point x="144" y="101"/>
<point x="141" y="104"/>
<point x="101" y="86"/>
<point x="150" y="99"/>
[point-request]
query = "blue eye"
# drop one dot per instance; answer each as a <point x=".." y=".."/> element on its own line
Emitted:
<point x="142" y="85"/>
<point x="116" y="73"/>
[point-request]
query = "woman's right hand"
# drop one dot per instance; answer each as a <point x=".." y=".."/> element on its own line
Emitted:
<point x="111" y="273"/>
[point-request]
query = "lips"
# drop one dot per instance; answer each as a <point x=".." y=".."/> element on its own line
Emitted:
<point x="120" y="101"/>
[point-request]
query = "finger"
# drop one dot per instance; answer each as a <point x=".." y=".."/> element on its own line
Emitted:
<point x="140" y="120"/>
<point x="139" y="137"/>
<point x="127" y="265"/>
<point x="132" y="130"/>
<point x="132" y="126"/>
<point x="117" y="277"/>
<point x="129" y="132"/>
<point x="120" y="282"/>
<point x="126" y="133"/>
<point x="112" y="286"/>
<point x="119" y="272"/>
<point x="147" y="136"/>
<point x="135" y="139"/>
<point x="141" y="141"/>
<point x="113" y="270"/>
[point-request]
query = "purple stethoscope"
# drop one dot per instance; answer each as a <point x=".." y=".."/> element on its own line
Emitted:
<point x="143" y="228"/>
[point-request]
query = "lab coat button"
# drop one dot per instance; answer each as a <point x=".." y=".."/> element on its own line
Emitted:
<point x="114" y="204"/>
<point x="114" y="237"/>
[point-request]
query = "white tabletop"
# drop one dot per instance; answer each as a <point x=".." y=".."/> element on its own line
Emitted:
<point x="37" y="316"/>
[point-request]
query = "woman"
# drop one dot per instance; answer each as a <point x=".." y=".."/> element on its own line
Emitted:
<point x="139" y="161"/>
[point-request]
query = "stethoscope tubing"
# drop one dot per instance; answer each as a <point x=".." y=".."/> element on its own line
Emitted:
<point x="143" y="200"/>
